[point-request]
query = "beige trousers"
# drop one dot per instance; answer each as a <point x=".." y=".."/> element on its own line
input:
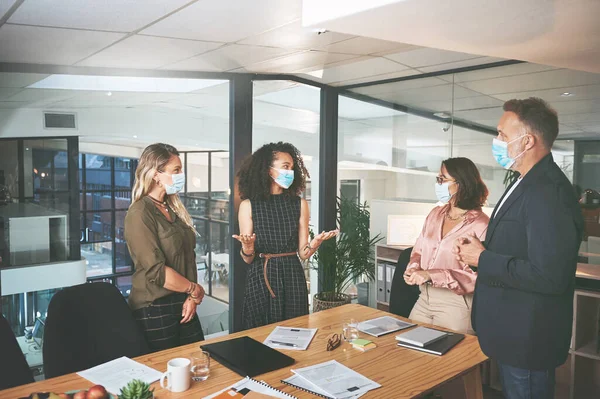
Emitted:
<point x="442" y="307"/>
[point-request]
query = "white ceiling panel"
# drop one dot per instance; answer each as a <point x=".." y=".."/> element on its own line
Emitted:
<point x="50" y="45"/>
<point x="14" y="79"/>
<point x="481" y="115"/>
<point x="261" y="87"/>
<point x="298" y="61"/>
<point x="147" y="52"/>
<point x="300" y="97"/>
<point x="578" y="93"/>
<point x="360" y="68"/>
<point x="295" y="36"/>
<point x="13" y="104"/>
<point x="374" y="78"/>
<point x="490" y="73"/>
<point x="227" y="20"/>
<point x="5" y="5"/>
<point x="42" y="95"/>
<point x="538" y="81"/>
<point x="423" y="57"/>
<point x="417" y="83"/>
<point x="580" y="119"/>
<point x="366" y="46"/>
<point x="460" y="104"/>
<point x="428" y="94"/>
<point x="6" y="92"/>
<point x="460" y="64"/>
<point x="229" y="57"/>
<point x="110" y="15"/>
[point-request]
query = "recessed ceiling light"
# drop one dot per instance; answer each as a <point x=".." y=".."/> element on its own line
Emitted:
<point x="109" y="93"/>
<point x="135" y="136"/>
<point x="567" y="94"/>
<point x="111" y="84"/>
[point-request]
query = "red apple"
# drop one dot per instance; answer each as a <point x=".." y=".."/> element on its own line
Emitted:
<point x="80" y="395"/>
<point x="97" y="392"/>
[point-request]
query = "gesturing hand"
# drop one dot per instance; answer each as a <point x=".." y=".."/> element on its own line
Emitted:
<point x="468" y="249"/>
<point x="326" y="235"/>
<point x="247" y="241"/>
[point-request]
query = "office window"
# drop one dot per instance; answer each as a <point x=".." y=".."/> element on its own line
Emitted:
<point x="206" y="198"/>
<point x="105" y="196"/>
<point x="350" y="189"/>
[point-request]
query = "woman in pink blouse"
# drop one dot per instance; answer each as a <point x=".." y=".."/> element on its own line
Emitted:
<point x="446" y="284"/>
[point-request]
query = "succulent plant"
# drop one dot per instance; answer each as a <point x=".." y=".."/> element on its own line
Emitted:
<point x="136" y="389"/>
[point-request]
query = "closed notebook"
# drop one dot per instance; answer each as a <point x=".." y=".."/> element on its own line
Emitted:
<point x="247" y="357"/>
<point x="421" y="336"/>
<point x="439" y="347"/>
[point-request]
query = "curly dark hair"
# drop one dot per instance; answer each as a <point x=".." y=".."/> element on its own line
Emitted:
<point x="472" y="191"/>
<point x="254" y="180"/>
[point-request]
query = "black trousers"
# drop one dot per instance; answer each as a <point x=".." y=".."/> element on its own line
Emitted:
<point x="161" y="324"/>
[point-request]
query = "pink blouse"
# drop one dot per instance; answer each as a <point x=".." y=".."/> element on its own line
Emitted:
<point x="433" y="253"/>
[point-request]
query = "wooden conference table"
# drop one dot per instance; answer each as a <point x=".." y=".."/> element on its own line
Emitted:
<point x="402" y="373"/>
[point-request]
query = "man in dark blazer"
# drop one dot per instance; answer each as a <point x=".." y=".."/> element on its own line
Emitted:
<point x="523" y="302"/>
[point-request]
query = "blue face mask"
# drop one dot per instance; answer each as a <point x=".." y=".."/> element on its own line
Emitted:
<point x="178" y="184"/>
<point x="285" y="178"/>
<point x="442" y="192"/>
<point x="500" y="152"/>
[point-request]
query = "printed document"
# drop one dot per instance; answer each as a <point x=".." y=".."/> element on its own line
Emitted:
<point x="290" y="338"/>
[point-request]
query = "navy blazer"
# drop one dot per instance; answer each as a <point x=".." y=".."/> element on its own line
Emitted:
<point x="523" y="302"/>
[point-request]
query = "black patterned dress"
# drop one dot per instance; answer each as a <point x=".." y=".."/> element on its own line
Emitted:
<point x="276" y="222"/>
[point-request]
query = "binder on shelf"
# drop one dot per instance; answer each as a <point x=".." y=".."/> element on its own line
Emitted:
<point x="381" y="289"/>
<point x="389" y="277"/>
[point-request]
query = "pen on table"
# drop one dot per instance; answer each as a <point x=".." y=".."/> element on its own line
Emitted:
<point x="283" y="343"/>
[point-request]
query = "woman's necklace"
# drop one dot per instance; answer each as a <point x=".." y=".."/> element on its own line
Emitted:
<point x="161" y="204"/>
<point x="455" y="218"/>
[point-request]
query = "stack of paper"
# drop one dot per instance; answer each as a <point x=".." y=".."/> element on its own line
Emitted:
<point x="383" y="325"/>
<point x="249" y="388"/>
<point x="291" y="338"/>
<point x="363" y="345"/>
<point x="331" y="380"/>
<point x="117" y="373"/>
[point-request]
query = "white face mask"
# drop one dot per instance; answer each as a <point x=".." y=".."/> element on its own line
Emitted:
<point x="442" y="192"/>
<point x="178" y="183"/>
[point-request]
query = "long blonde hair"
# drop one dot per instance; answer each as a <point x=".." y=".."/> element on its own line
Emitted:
<point x="153" y="159"/>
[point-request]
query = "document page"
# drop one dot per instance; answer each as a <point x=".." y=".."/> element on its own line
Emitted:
<point x="382" y="325"/>
<point x="247" y="385"/>
<point x="290" y="338"/>
<point x="299" y="382"/>
<point x="115" y="374"/>
<point x="337" y="380"/>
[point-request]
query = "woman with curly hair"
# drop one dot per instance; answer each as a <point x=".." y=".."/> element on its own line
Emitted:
<point x="274" y="234"/>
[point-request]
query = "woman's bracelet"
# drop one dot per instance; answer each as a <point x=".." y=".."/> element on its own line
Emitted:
<point x="190" y="288"/>
<point x="247" y="255"/>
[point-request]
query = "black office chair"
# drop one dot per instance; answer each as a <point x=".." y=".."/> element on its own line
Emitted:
<point x="14" y="370"/>
<point x="402" y="296"/>
<point x="87" y="325"/>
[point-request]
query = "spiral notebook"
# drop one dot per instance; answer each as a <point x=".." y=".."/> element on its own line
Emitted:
<point x="300" y="383"/>
<point x="250" y="388"/>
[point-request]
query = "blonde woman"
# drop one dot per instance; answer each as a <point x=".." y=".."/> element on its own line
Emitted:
<point x="161" y="241"/>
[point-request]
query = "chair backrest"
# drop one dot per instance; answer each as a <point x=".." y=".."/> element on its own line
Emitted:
<point x="14" y="370"/>
<point x="402" y="295"/>
<point x="87" y="325"/>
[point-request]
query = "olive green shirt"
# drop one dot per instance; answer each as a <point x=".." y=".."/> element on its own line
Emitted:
<point x="154" y="243"/>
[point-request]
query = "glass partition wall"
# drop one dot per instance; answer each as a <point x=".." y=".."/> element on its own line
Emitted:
<point x="392" y="137"/>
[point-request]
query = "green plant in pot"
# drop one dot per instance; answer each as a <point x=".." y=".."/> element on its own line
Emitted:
<point x="348" y="259"/>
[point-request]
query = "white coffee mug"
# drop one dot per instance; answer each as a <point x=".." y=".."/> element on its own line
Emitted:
<point x="178" y="375"/>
